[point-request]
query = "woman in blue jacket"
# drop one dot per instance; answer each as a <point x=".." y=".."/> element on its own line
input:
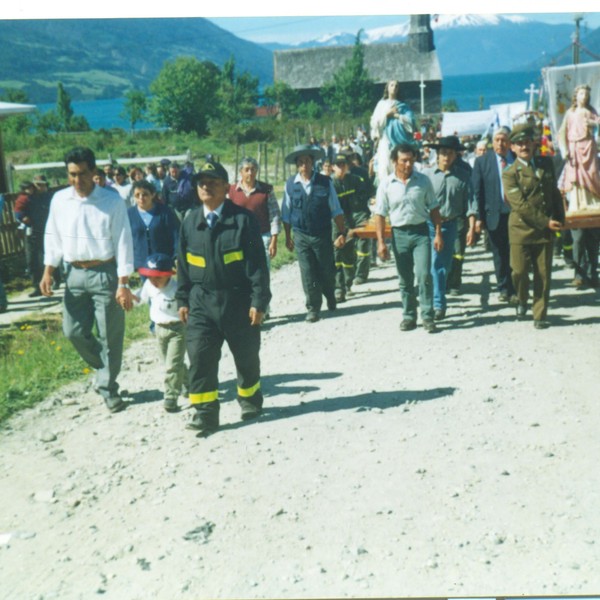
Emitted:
<point x="154" y="226"/>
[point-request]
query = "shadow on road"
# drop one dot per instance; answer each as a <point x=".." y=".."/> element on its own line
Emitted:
<point x="360" y="402"/>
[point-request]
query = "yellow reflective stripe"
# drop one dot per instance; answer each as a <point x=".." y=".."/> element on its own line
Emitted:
<point x="342" y="194"/>
<point x="338" y="264"/>
<point x="233" y="256"/>
<point x="458" y="256"/>
<point x="362" y="253"/>
<point x="248" y="392"/>
<point x="204" y="397"/>
<point x="347" y="266"/>
<point x="197" y="261"/>
<point x="565" y="247"/>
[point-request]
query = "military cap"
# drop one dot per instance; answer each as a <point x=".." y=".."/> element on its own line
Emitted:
<point x="521" y="132"/>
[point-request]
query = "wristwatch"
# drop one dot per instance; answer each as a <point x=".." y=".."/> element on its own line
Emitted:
<point x="124" y="285"/>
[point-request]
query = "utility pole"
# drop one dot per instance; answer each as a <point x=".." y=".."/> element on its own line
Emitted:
<point x="578" y="18"/>
<point x="422" y="86"/>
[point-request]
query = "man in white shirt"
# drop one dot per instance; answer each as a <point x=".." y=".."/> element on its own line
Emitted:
<point x="89" y="230"/>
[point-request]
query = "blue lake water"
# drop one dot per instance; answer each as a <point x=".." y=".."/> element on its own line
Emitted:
<point x="466" y="90"/>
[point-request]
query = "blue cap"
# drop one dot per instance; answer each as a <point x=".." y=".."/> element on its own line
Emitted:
<point x="157" y="265"/>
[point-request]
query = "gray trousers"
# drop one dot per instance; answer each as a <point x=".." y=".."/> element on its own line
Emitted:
<point x="90" y="300"/>
<point x="412" y="251"/>
<point x="171" y="343"/>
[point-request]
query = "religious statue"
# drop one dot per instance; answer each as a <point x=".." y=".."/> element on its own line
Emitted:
<point x="580" y="179"/>
<point x="392" y="123"/>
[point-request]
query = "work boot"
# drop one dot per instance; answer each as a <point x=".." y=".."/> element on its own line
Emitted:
<point x="203" y="423"/>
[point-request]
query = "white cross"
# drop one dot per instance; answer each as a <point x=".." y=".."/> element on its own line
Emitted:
<point x="531" y="90"/>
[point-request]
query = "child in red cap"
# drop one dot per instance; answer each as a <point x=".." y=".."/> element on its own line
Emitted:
<point x="159" y="291"/>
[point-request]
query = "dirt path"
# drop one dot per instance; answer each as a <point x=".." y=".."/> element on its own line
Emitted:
<point x="385" y="463"/>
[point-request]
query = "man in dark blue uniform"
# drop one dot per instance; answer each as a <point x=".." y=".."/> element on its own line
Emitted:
<point x="223" y="292"/>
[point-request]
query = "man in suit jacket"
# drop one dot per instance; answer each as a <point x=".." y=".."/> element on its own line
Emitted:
<point x="537" y="212"/>
<point x="493" y="208"/>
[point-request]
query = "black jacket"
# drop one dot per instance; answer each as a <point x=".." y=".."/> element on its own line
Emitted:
<point x="229" y="258"/>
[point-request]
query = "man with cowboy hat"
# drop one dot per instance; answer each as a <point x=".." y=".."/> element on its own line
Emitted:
<point x="453" y="190"/>
<point x="222" y="294"/>
<point x="309" y="205"/>
<point x="537" y="211"/>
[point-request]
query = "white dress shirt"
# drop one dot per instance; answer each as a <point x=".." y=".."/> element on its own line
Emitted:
<point x="91" y="228"/>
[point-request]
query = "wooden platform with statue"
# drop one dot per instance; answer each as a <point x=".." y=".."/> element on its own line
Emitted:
<point x="582" y="209"/>
<point x="368" y="230"/>
<point x="582" y="220"/>
<point x="580" y="178"/>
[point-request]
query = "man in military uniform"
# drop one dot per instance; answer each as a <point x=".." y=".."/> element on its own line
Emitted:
<point x="223" y="292"/>
<point x="537" y="211"/>
<point x="309" y="205"/>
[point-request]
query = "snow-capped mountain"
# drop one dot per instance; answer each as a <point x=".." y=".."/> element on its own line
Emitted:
<point x="438" y="22"/>
<point x="470" y="44"/>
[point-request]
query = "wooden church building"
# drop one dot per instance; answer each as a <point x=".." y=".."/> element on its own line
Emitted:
<point x="410" y="62"/>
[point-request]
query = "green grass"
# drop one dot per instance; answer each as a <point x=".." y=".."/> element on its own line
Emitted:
<point x="36" y="359"/>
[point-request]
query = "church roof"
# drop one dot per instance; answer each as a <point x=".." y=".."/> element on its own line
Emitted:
<point x="314" y="67"/>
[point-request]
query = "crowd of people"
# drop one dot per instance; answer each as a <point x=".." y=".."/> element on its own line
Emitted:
<point x="202" y="245"/>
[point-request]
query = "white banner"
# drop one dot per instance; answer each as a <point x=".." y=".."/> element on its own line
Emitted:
<point x="560" y="82"/>
<point x="507" y="112"/>
<point x="477" y="122"/>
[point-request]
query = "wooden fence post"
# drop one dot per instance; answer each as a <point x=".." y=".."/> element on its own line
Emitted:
<point x="266" y="163"/>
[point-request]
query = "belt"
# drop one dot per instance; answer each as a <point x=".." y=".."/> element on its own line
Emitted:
<point x="408" y="227"/>
<point x="90" y="264"/>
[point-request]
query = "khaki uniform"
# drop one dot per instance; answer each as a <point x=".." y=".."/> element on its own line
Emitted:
<point x="534" y="199"/>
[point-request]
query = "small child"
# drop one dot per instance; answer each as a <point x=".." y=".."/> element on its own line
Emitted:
<point x="159" y="291"/>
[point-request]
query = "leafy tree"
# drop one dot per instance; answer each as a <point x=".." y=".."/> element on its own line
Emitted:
<point x="18" y="124"/>
<point x="237" y="94"/>
<point x="284" y="96"/>
<point x="450" y="106"/>
<point x="79" y="123"/>
<point x="134" y="107"/>
<point x="309" y="110"/>
<point x="64" y="110"/>
<point x="184" y="94"/>
<point x="351" y="92"/>
<point x="48" y="121"/>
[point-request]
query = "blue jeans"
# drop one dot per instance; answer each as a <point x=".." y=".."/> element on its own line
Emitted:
<point x="412" y="252"/>
<point x="441" y="261"/>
